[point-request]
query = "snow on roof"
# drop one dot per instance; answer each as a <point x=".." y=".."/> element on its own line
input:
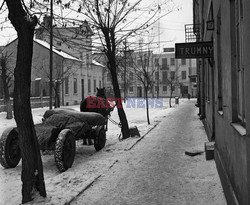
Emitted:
<point x="98" y="64"/>
<point x="60" y="53"/>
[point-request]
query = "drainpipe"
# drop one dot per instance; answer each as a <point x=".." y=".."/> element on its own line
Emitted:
<point x="202" y="105"/>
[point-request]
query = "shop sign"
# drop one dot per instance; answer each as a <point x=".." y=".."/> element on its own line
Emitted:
<point x="194" y="50"/>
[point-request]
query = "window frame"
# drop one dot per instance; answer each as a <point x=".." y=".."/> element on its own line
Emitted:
<point x="66" y="84"/>
<point x="89" y="85"/>
<point x="75" y="86"/>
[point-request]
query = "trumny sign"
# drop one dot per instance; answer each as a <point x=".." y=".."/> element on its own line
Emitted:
<point x="194" y="50"/>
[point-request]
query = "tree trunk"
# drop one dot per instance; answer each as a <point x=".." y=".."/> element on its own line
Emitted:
<point x="32" y="169"/>
<point x="121" y="113"/>
<point x="171" y="93"/>
<point x="57" y="96"/>
<point x="109" y="35"/>
<point x="146" y="93"/>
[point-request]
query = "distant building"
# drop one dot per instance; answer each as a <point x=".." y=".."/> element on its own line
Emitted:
<point x="74" y="80"/>
<point x="162" y="69"/>
<point x="74" y="40"/>
<point x="74" y="69"/>
<point x="181" y="72"/>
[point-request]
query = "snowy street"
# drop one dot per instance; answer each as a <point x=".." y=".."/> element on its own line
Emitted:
<point x="156" y="170"/>
<point x="152" y="169"/>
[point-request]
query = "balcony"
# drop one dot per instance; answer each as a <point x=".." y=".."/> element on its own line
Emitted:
<point x="192" y="32"/>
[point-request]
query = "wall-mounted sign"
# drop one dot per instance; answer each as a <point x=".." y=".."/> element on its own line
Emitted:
<point x="210" y="25"/>
<point x="194" y="50"/>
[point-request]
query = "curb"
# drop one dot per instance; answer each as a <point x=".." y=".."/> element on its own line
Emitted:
<point x="112" y="165"/>
<point x="131" y="147"/>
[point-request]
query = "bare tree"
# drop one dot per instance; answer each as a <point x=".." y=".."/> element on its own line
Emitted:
<point x="63" y="68"/>
<point x="113" y="23"/>
<point x="6" y="74"/>
<point x="32" y="169"/>
<point x="144" y="73"/>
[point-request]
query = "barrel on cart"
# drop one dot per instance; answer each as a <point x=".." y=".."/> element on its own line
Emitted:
<point x="59" y="131"/>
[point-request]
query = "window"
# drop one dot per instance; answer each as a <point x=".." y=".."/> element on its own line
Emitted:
<point x="164" y="76"/>
<point x="172" y="61"/>
<point x="66" y="85"/>
<point x="219" y="69"/>
<point x="164" y="63"/>
<point x="184" y="90"/>
<point x="139" y="63"/>
<point x="100" y="83"/>
<point x="131" y="89"/>
<point x="193" y="80"/>
<point x="156" y="88"/>
<point x="87" y="60"/>
<point x="75" y="85"/>
<point x="94" y="84"/>
<point x="108" y="77"/>
<point x="172" y="75"/>
<point x="240" y="75"/>
<point x="183" y="61"/>
<point x="164" y="88"/>
<point x="183" y="75"/>
<point x="89" y="85"/>
<point x="156" y="61"/>
<point x="131" y="76"/>
<point x="157" y="76"/>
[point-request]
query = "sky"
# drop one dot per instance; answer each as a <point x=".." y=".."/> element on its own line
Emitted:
<point x="171" y="26"/>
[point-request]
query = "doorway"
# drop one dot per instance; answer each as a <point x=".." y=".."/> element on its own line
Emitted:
<point x="139" y="92"/>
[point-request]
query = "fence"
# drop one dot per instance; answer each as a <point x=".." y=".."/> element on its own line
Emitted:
<point x="36" y="102"/>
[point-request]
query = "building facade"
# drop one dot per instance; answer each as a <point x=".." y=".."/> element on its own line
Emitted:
<point x="167" y="76"/>
<point x="224" y="105"/>
<point x="73" y="79"/>
<point x="75" y="74"/>
<point x="180" y="74"/>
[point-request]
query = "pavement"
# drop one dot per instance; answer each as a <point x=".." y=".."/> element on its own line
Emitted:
<point x="156" y="169"/>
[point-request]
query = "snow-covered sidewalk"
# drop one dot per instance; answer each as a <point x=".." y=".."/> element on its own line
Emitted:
<point x="88" y="164"/>
<point x="157" y="170"/>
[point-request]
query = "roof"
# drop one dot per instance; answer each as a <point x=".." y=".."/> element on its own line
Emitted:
<point x="98" y="64"/>
<point x="60" y="53"/>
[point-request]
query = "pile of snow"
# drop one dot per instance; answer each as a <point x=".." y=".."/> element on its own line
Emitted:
<point x="88" y="165"/>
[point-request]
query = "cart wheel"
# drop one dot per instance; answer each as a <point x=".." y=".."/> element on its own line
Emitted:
<point x="100" y="140"/>
<point x="10" y="154"/>
<point x="65" y="149"/>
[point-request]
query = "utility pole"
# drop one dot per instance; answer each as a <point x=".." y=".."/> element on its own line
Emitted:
<point x="51" y="55"/>
<point x="125" y="69"/>
<point x="158" y="80"/>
